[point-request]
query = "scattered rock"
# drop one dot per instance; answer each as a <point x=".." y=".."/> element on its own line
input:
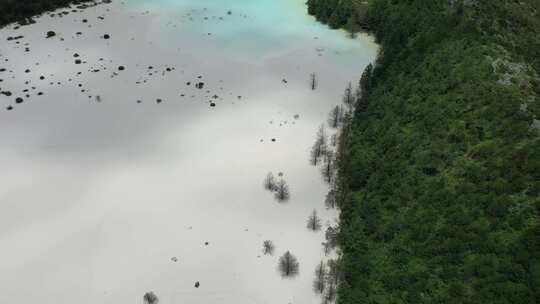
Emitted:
<point x="197" y="284"/>
<point x="51" y="34"/>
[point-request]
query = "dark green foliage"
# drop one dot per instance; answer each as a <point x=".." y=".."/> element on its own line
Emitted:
<point x="22" y="10"/>
<point x="439" y="174"/>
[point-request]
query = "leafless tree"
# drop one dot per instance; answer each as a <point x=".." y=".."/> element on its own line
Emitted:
<point x="150" y="298"/>
<point x="331" y="293"/>
<point x="335" y="117"/>
<point x="326" y="248"/>
<point x="314" y="222"/>
<point x="313" y="81"/>
<point x="330" y="200"/>
<point x="268" y="247"/>
<point x="328" y="166"/>
<point x="319" y="283"/>
<point x="348" y="96"/>
<point x="334" y="139"/>
<point x="288" y="265"/>
<point x="270" y="182"/>
<point x="331" y="235"/>
<point x="319" y="147"/>
<point x="281" y="191"/>
<point x="334" y="271"/>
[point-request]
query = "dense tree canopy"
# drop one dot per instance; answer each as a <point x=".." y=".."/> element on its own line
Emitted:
<point x="439" y="176"/>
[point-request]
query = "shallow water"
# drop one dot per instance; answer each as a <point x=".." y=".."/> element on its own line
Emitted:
<point x="98" y="194"/>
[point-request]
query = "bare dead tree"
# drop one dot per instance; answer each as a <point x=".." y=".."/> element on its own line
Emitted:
<point x="314" y="222"/>
<point x="334" y="139"/>
<point x="330" y="294"/>
<point x="335" y="117"/>
<point x="150" y="298"/>
<point x="319" y="283"/>
<point x="326" y="248"/>
<point x="288" y="265"/>
<point x="327" y="169"/>
<point x="281" y="191"/>
<point x="268" y="247"/>
<point x="334" y="271"/>
<point x="270" y="182"/>
<point x="319" y="147"/>
<point x="330" y="200"/>
<point x="331" y="235"/>
<point x="313" y="81"/>
<point x="348" y="96"/>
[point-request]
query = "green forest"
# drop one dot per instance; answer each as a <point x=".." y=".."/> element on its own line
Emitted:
<point x="23" y="10"/>
<point x="439" y="172"/>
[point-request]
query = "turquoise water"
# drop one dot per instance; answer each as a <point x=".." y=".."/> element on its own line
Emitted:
<point x="255" y="28"/>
